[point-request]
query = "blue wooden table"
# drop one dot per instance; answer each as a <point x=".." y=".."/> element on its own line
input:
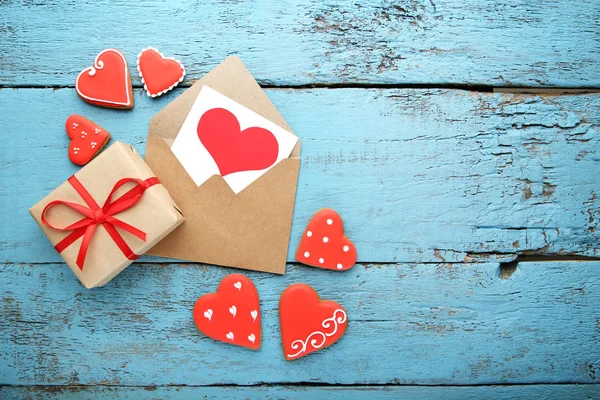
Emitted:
<point x="458" y="139"/>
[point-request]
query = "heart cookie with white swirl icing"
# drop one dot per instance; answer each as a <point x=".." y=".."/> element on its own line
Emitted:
<point x="106" y="83"/>
<point x="308" y="323"/>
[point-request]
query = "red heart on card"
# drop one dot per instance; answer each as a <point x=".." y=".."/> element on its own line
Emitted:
<point x="307" y="323"/>
<point x="234" y="150"/>
<point x="107" y="83"/>
<point x="324" y="245"/>
<point x="232" y="314"/>
<point x="159" y="74"/>
<point x="87" y="139"/>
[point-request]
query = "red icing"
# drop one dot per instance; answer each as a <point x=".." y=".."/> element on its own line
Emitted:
<point x="158" y="73"/>
<point x="322" y="241"/>
<point x="107" y="82"/>
<point x="233" y="150"/>
<point x="87" y="139"/>
<point x="308" y="324"/>
<point x="214" y="313"/>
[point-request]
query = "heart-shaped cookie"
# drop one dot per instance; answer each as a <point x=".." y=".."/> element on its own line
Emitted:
<point x="232" y="314"/>
<point x="107" y="83"/>
<point x="87" y="139"/>
<point x="307" y="323"/>
<point x="158" y="73"/>
<point x="324" y="245"/>
<point x="234" y="150"/>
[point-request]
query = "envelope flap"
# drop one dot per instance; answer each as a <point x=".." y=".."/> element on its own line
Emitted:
<point x="232" y="79"/>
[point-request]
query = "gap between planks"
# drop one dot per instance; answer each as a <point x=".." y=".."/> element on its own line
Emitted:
<point x="299" y="384"/>
<point x="515" y="261"/>
<point x="505" y="269"/>
<point x="508" y="268"/>
<point x="448" y="86"/>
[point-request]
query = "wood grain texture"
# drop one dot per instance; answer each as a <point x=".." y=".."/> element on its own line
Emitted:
<point x="546" y="392"/>
<point x="455" y="179"/>
<point x="434" y="324"/>
<point x="291" y="42"/>
<point x="417" y="175"/>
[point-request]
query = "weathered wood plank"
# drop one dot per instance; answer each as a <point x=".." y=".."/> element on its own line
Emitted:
<point x="418" y="175"/>
<point x="487" y="42"/>
<point x="434" y="324"/>
<point x="546" y="392"/>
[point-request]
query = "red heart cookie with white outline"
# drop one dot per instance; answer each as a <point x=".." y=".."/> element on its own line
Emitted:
<point x="159" y="73"/>
<point x="107" y="83"/>
<point x="233" y="149"/>
<point x="87" y="139"/>
<point x="308" y="323"/>
<point x="323" y="244"/>
<point x="232" y="314"/>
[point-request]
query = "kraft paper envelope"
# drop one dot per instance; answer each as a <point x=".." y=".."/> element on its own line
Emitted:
<point x="250" y="230"/>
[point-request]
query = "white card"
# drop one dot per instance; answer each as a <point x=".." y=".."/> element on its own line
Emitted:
<point x="225" y="143"/>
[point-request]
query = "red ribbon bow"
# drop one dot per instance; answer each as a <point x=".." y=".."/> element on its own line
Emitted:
<point x="95" y="215"/>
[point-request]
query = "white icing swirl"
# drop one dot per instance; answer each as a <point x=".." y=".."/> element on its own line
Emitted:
<point x="317" y="338"/>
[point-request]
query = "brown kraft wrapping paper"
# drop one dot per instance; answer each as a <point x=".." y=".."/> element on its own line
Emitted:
<point x="250" y="230"/>
<point x="155" y="213"/>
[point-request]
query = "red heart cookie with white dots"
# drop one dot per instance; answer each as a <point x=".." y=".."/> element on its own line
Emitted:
<point x="107" y="83"/>
<point x="232" y="314"/>
<point x="159" y="73"/>
<point x="308" y="323"/>
<point x="324" y="245"/>
<point x="87" y="139"/>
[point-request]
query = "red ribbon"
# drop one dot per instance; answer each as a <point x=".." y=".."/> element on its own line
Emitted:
<point x="95" y="215"/>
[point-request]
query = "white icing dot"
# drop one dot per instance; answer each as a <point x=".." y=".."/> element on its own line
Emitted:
<point x="321" y="261"/>
<point x="346" y="248"/>
<point x="306" y="254"/>
<point x="340" y="266"/>
<point x="309" y="233"/>
<point x="325" y="239"/>
<point x="329" y="221"/>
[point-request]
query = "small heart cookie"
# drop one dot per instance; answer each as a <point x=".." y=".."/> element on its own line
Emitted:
<point x="159" y="73"/>
<point x="107" y="83"/>
<point x="87" y="139"/>
<point x="232" y="314"/>
<point x="324" y="245"/>
<point x="307" y="323"/>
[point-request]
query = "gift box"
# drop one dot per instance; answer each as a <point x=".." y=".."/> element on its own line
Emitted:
<point x="106" y="215"/>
